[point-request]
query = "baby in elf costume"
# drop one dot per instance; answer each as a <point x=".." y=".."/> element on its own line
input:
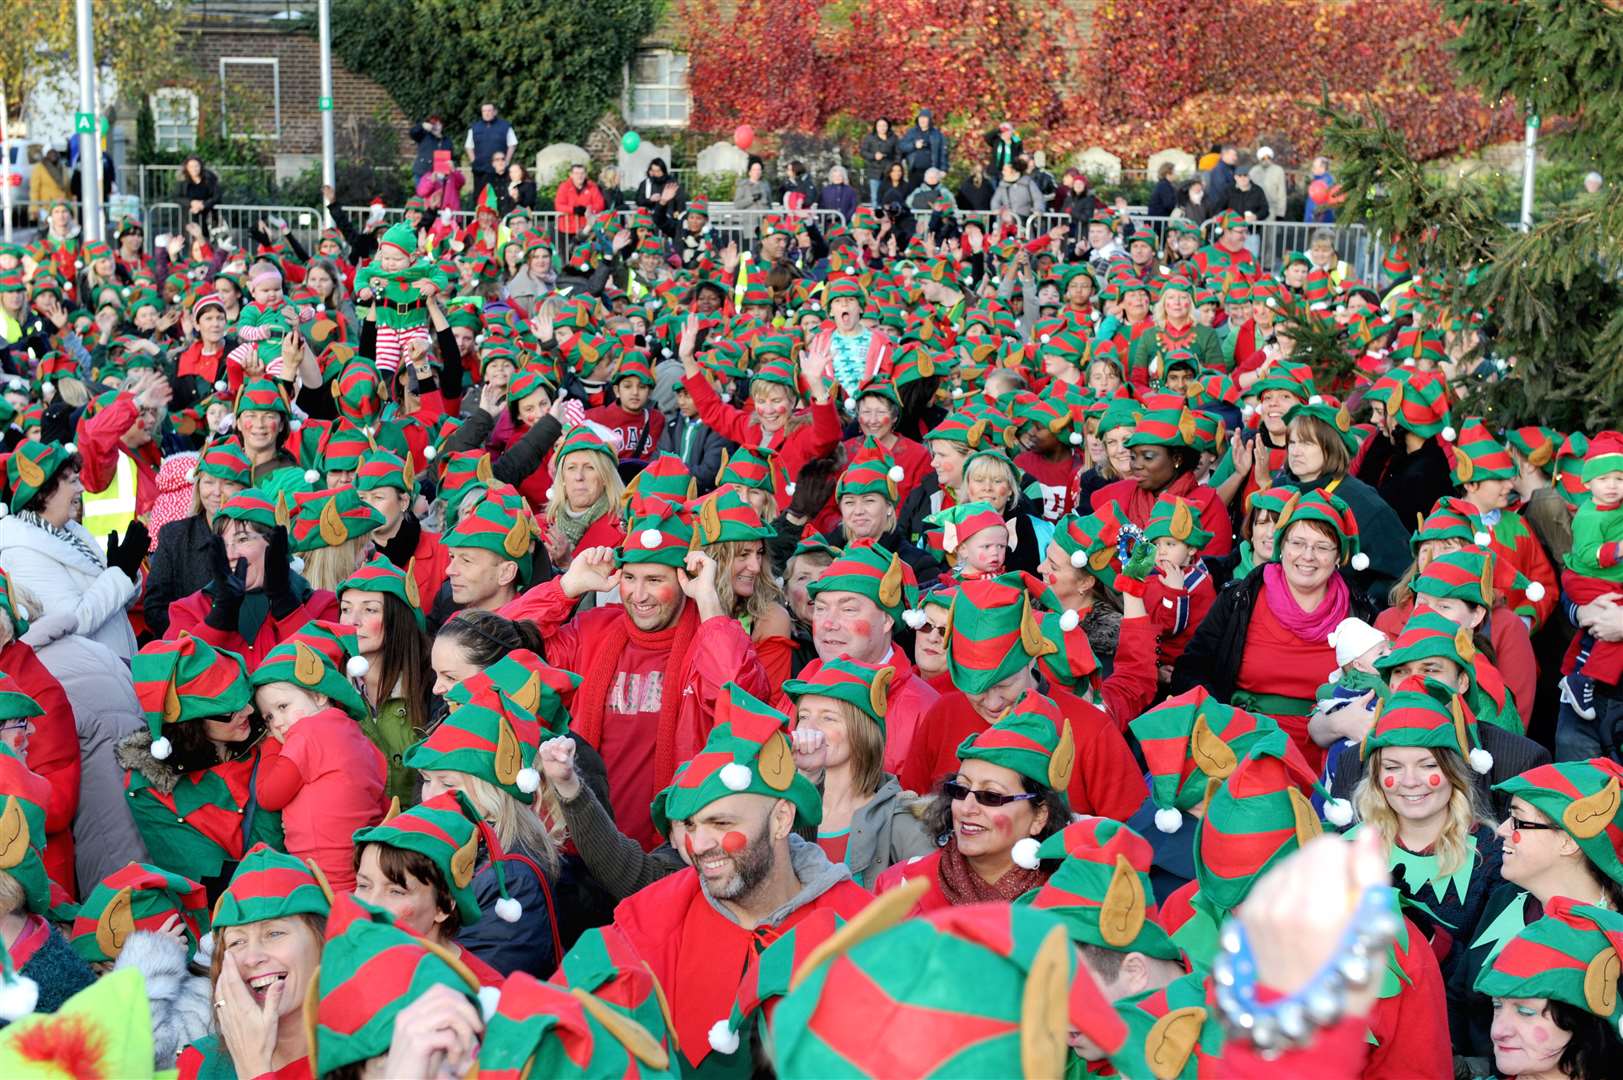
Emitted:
<point x="1180" y="592"/>
<point x="398" y="284"/>
<point x="975" y="538"/>
<point x="1595" y="567"/>
<point x="269" y="314"/>
<point x="1358" y="645"/>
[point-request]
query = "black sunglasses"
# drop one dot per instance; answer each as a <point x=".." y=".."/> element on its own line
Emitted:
<point x="1519" y="824"/>
<point x="958" y="792"/>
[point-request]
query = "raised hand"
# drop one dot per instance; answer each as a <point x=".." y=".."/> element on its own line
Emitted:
<point x="591" y="570"/>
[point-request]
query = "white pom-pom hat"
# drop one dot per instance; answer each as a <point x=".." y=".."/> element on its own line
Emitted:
<point x="1024" y="853"/>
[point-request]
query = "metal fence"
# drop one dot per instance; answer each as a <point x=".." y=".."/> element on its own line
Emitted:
<point x="158" y="183"/>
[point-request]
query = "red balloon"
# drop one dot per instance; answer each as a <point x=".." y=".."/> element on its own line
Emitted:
<point x="1319" y="192"/>
<point x="743" y="136"/>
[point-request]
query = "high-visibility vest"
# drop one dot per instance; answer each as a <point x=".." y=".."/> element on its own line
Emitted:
<point x="112" y="510"/>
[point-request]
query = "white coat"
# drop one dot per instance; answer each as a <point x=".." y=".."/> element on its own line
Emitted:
<point x="64" y="579"/>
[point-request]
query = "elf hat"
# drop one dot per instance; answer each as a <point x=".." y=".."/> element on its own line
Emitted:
<point x="1173" y="517"/>
<point x="1171" y="426"/>
<point x="225" y="461"/>
<point x="1605" y="455"/>
<point x="634" y="365"/>
<point x="31" y="466"/>
<point x="769" y="974"/>
<point x="382" y="576"/>
<point x="964" y="429"/>
<point x="137" y="897"/>
<point x="1293" y="379"/>
<point x="1479" y="456"/>
<point x="261" y="395"/>
<point x="381" y="469"/>
<point x="658" y="534"/>
<point x="447" y="830"/>
<point x="869" y="569"/>
<point x="460" y="471"/>
<point x="1415" y="344"/>
<point x="1317" y="505"/>
<point x="1190" y="741"/>
<point x="1585" y="798"/>
<point x="356" y="391"/>
<point x="1569" y="470"/>
<point x="605" y="964"/>
<point x="747" y="752"/>
<point x="1335" y="417"/>
<point x="23" y="796"/>
<point x="183" y="679"/>
<point x="485" y="734"/>
<point x="543" y="1029"/>
<point x="992" y="633"/>
<point x="1101" y="888"/>
<point x="370" y="970"/>
<point x="1537" y="444"/>
<point x="1452" y="518"/>
<point x="318" y="660"/>
<point x="872" y="471"/>
<point x="1352" y="638"/>
<point x="753" y="467"/>
<point x="1422" y="712"/>
<point x="500" y="523"/>
<point x="1419" y="401"/>
<point x="961" y="521"/>
<point x="725" y="516"/>
<point x="906" y="978"/>
<point x="533" y="686"/>
<point x="1426" y="635"/>
<point x="1089" y="542"/>
<point x="1571" y="954"/>
<point x="400" y="236"/>
<point x="1476" y="576"/>
<point x="330" y="518"/>
<point x="340" y="449"/>
<point x="665" y="477"/>
<point x="867" y="686"/>
<point x="252" y="505"/>
<point x="1033" y="738"/>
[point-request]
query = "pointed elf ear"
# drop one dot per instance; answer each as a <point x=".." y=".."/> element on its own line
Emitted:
<point x="311" y="1012"/>
<point x="885" y="911"/>
<point x="879" y="690"/>
<point x="1122" y="914"/>
<point x="1591" y="815"/>
<point x="890" y="586"/>
<point x="775" y="762"/>
<point x="517" y="541"/>
<point x="394" y="810"/>
<point x="1031" y="633"/>
<point x="1171" y="1040"/>
<point x="463" y="860"/>
<point x="413" y="597"/>
<point x="509" y="757"/>
<point x="116" y="924"/>
<point x="482" y="472"/>
<point x="1600" y="982"/>
<point x="1045" y="1019"/>
<point x="14" y="838"/>
<point x="709" y="521"/>
<point x="1063" y="759"/>
<point x="630" y="1034"/>
<point x="307" y="665"/>
<point x="1307" y="819"/>
<point x="1214" y="756"/>
<point x="332" y="524"/>
<point x="321" y="879"/>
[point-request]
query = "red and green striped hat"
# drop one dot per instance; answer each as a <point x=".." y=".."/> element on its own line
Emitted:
<point x="183" y="679"/>
<point x="383" y="469"/>
<point x="529" y="380"/>
<point x="867" y="686"/>
<point x="747" y="752"/>
<point x="23" y="797"/>
<point x="965" y="429"/>
<point x="1415" y="344"/>
<point x="252" y="505"/>
<point x="485" y="734"/>
<point x="870" y="569"/>
<point x="1189" y="741"/>
<point x="1474" y="575"/>
<point x="605" y="964"/>
<point x="12" y="607"/>
<point x="447" y="830"/>
<point x="579" y="439"/>
<point x="1537" y="444"/>
<point x="459" y="471"/>
<point x="1585" y="798"/>
<point x="725" y="516"/>
<point x="1428" y="635"/>
<point x="382" y="576"/>
<point x="1479" y="456"/>
<point x="340" y="449"/>
<point x="1418" y="401"/>
<point x="330" y="518"/>
<point x="992" y="633"/>
<point x="1569" y="469"/>
<point x="1089" y="542"/>
<point x="137" y="897"/>
<point x="261" y="395"/>
<point x="962" y="520"/>
<point x="1335" y="417"/>
<point x="1176" y="518"/>
<point x="1101" y="889"/>
<point x="872" y="471"/>
<point x="1254" y="818"/>
<point x="1452" y="518"/>
<point x="500" y="523"/>
<point x="665" y="476"/>
<point x="545" y="1029"/>
<point x="356" y="390"/>
<point x="225" y="461"/>
<point x="1072" y="663"/>
<point x="319" y="659"/>
<point x="31" y="466"/>
<point x="370" y="970"/>
<point x="1294" y="379"/>
<point x="658" y="534"/>
<point x="1172" y="425"/>
<point x="1423" y="712"/>
<point x="1605" y="455"/>
<point x="1319" y="505"/>
<point x="534" y="686"/>
<point x="1033" y="738"/>
<point x="885" y="996"/>
<point x="769" y="974"/>
<point x="1570" y="955"/>
<point x="271" y="884"/>
<point x="753" y="467"/>
<point x="634" y="365"/>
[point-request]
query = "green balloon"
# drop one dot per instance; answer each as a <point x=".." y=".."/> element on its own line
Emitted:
<point x="630" y="141"/>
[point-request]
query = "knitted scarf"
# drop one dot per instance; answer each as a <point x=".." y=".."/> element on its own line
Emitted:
<point x="76" y="540"/>
<point x="591" y="699"/>
<point x="960" y="884"/>
<point x="574" y="524"/>
<point x="1313" y="626"/>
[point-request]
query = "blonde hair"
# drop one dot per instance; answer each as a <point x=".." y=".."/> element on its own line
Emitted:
<point x="73" y="391"/>
<point x="327" y="567"/>
<point x="606" y="471"/>
<point x="1453" y="846"/>
<point x="867" y="742"/>
<point x="767" y="593"/>
<point x="12" y="897"/>
<point x="515" y="824"/>
<point x="989" y="467"/>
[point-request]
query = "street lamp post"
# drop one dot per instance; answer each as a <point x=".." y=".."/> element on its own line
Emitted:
<point x="86" y="125"/>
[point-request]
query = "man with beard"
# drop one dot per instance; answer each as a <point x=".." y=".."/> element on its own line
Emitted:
<point x="652" y="665"/>
<point x="739" y="801"/>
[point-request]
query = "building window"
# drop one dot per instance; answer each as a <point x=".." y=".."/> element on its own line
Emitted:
<point x="174" y="118"/>
<point x="250" y="97"/>
<point x="658" y="89"/>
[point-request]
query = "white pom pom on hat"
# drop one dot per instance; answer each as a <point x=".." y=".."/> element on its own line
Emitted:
<point x="914" y="618"/>
<point x="1360" y="561"/>
<point x="649" y="538"/>
<point x="1168" y="819"/>
<point x="1449" y="434"/>
<point x="311" y="476"/>
<point x="550" y="491"/>
<point x="191" y="476"/>
<point x="1338" y="812"/>
<point x="429" y="453"/>
<point x="723" y="1039"/>
<point x="1482" y="539"/>
<point x="70" y="448"/>
<point x="162" y="748"/>
<point x="1481" y="760"/>
<point x="1024" y="853"/>
<point x="896" y="473"/>
<point x="221" y="386"/>
<point x="1079" y="559"/>
<point x="528" y="780"/>
<point x="1069" y="620"/>
<point x="356" y="667"/>
<point x="297" y="562"/>
<point x="509" y="910"/>
<point x="490" y="998"/>
<point x="1534" y="591"/>
<point x="735" y="777"/>
<point x="18" y="997"/>
<point x="1316" y="399"/>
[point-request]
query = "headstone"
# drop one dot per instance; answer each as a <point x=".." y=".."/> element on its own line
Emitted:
<point x="1100" y="164"/>
<point x="722" y="159"/>
<point x="633" y="167"/>
<point x="553" y="161"/>
<point x="1183" y="163"/>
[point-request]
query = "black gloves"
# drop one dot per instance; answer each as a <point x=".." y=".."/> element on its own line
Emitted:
<point x="278" y="576"/>
<point x="129" y="555"/>
<point x="229" y="587"/>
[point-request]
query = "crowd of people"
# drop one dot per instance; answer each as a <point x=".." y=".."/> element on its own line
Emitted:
<point x="852" y="651"/>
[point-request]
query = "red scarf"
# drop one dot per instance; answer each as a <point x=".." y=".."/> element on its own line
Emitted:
<point x="593" y="695"/>
<point x="960" y="884"/>
<point x="1141" y="503"/>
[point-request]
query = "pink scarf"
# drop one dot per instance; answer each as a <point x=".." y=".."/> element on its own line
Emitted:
<point x="1313" y="626"/>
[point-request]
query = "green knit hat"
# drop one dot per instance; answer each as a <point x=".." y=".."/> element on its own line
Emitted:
<point x="400" y="235"/>
<point x="1033" y="738"/>
<point x="542" y="1029"/>
<point x="885" y="996"/>
<point x="319" y="659"/>
<point x="226" y="461"/>
<point x="23" y="796"/>
<point x="31" y="467"/>
<point x="1101" y="888"/>
<point x="485" y="734"/>
<point x="1335" y="417"/>
<point x="1585" y="798"/>
<point x="1176" y="518"/>
<point x="270" y="884"/>
<point x="658" y="535"/>
<point x="185" y="678"/>
<point x="1318" y="505"/>
<point x="1479" y="456"/>
<point x="370" y="970"/>
<point x="665" y="476"/>
<point x="869" y="569"/>
<point x="1189" y="741"/>
<point x="872" y="471"/>
<point x="867" y="686"/>
<point x="747" y="752"/>
<point x="501" y="523"/>
<point x="137" y="897"/>
<point x="447" y="830"/>
<point x="753" y="467"/>
<point x="1571" y="955"/>
<point x="330" y="518"/>
<point x="382" y="576"/>
<point x="1426" y="713"/>
<point x="725" y="516"/>
<point x="992" y="633"/>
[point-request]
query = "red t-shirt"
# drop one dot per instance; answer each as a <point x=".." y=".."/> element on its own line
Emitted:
<point x="630" y="425"/>
<point x="630" y="725"/>
<point x="1054" y="477"/>
<point x="343" y="790"/>
<point x="1276" y="661"/>
<point x="834" y="846"/>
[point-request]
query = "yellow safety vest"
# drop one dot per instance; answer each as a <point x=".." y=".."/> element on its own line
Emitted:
<point x="112" y="510"/>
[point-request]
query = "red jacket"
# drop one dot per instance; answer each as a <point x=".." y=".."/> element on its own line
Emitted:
<point x="806" y="443"/>
<point x="1136" y="505"/>
<point x="571" y="199"/>
<point x="699" y="955"/>
<point x="920" y="866"/>
<point x="189" y="612"/>
<point x="429" y="562"/>
<point x="910" y="698"/>
<point x="53" y="753"/>
<point x="100" y="442"/>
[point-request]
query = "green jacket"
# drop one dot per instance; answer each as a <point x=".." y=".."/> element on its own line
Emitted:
<point x="391" y="732"/>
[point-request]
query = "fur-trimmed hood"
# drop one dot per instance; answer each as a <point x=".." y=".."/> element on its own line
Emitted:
<point x="134" y="752"/>
<point x="179" y="999"/>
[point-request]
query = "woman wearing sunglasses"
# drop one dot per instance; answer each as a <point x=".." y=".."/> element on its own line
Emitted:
<point x="1005" y="799"/>
<point x="1551" y="847"/>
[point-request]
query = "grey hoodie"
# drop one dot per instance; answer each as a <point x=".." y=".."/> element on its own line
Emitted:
<point x="812" y="869"/>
